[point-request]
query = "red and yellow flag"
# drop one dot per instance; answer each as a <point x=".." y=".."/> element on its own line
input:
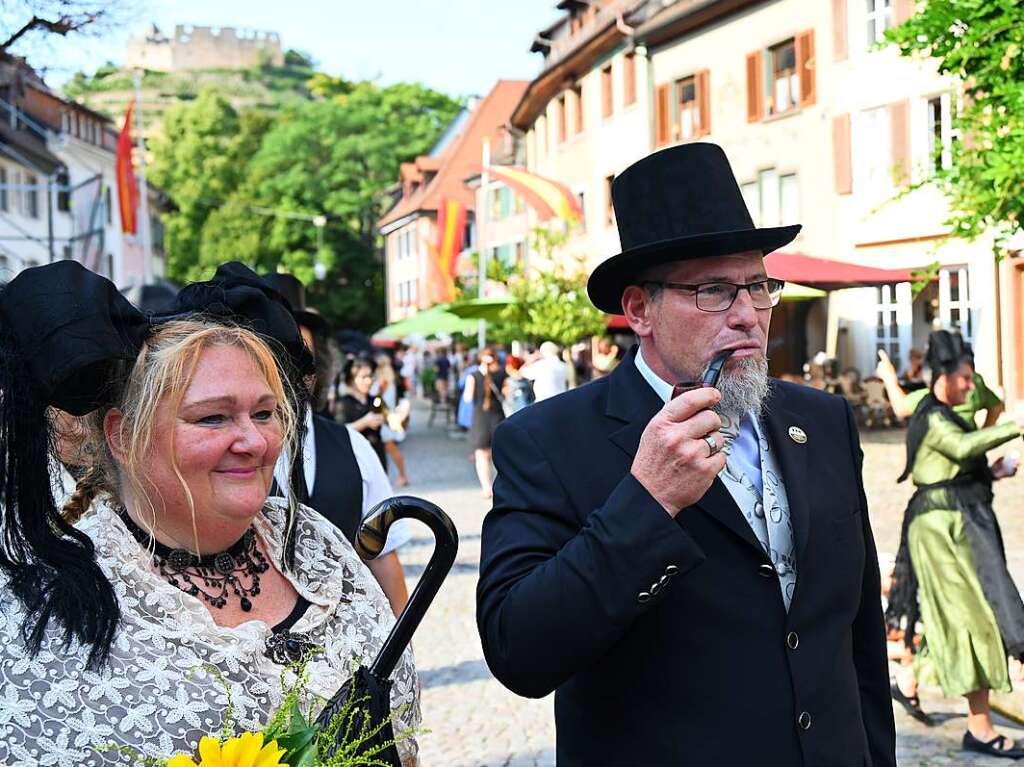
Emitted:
<point x="451" y="228"/>
<point x="127" y="187"/>
<point x="550" y="198"/>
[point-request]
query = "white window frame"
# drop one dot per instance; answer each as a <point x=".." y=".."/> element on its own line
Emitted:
<point x="945" y="132"/>
<point x="752" y="197"/>
<point x="872" y="153"/>
<point x="764" y="197"/>
<point x="32" y="209"/>
<point x="791" y="182"/>
<point x="787" y="86"/>
<point x="878" y="11"/>
<point x="894" y="314"/>
<point x="961" y="304"/>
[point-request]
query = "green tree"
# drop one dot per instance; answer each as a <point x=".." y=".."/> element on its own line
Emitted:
<point x="326" y="86"/>
<point x="200" y="158"/>
<point x="550" y="304"/>
<point x="980" y="43"/>
<point x="334" y="158"/>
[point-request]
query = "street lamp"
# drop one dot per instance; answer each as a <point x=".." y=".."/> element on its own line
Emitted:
<point x="319" y="267"/>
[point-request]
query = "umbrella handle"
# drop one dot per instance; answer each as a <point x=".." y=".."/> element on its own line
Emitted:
<point x="373" y="534"/>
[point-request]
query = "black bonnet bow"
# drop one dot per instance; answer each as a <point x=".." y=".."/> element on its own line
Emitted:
<point x="237" y="294"/>
<point x="70" y="326"/>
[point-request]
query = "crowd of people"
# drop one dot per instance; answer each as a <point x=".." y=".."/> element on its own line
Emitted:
<point x="183" y="494"/>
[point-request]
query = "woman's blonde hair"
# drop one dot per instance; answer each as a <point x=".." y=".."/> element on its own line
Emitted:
<point x="159" y="377"/>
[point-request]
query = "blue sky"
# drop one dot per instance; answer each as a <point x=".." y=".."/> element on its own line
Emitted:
<point x="459" y="46"/>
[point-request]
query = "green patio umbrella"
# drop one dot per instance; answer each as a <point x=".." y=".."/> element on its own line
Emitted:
<point x="488" y="309"/>
<point x="436" y="320"/>
<point x="795" y="292"/>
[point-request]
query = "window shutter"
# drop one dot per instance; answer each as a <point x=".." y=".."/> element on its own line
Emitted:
<point x="662" y="115"/>
<point x="901" y="11"/>
<point x="702" y="86"/>
<point x="842" y="160"/>
<point x="629" y="79"/>
<point x="840" y="31"/>
<point x="755" y="87"/>
<point x="805" y="67"/>
<point x="898" y="114"/>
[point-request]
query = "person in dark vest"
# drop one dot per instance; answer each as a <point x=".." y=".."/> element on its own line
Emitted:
<point x="343" y="475"/>
<point x="693" y="576"/>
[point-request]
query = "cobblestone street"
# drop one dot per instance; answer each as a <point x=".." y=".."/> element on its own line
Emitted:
<point x="475" y="722"/>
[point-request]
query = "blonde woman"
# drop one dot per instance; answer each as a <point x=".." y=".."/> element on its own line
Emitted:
<point x="169" y="577"/>
<point x="392" y="431"/>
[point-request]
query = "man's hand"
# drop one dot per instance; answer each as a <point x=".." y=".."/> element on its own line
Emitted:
<point x="673" y="461"/>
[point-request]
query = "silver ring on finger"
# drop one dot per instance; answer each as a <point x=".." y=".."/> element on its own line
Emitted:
<point x="712" y="444"/>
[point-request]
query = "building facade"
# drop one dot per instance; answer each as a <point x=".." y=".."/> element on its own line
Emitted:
<point x="823" y="127"/>
<point x="410" y="227"/>
<point x="58" y="185"/>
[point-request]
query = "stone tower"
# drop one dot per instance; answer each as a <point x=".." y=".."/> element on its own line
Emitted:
<point x="203" y="48"/>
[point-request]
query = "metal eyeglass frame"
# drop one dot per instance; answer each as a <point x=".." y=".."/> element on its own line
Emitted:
<point x="769" y="282"/>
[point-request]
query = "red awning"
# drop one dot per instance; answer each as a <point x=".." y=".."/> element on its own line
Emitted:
<point x="825" y="274"/>
<point x="617" y="322"/>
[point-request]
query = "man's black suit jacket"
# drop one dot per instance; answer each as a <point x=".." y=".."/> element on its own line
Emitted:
<point x="666" y="641"/>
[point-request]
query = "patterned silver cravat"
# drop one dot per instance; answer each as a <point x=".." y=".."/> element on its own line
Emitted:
<point x="774" y="529"/>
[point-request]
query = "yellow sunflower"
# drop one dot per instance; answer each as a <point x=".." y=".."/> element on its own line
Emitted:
<point x="247" y="750"/>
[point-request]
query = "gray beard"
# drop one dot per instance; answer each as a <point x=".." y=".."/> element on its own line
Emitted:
<point x="744" y="387"/>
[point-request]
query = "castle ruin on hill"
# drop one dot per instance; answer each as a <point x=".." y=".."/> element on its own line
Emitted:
<point x="192" y="47"/>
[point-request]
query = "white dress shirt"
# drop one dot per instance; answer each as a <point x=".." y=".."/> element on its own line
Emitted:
<point x="376" y="485"/>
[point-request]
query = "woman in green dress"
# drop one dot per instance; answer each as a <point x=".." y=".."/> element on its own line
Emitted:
<point x="951" y="569"/>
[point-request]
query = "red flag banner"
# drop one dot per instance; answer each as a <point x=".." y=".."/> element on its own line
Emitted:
<point x="127" y="187"/>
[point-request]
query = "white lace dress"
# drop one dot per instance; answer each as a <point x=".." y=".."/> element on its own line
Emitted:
<point x="154" y="693"/>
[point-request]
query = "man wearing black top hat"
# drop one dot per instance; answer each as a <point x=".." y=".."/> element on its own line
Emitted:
<point x="344" y="477"/>
<point x="695" y="577"/>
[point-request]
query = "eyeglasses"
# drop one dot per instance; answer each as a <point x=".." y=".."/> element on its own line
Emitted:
<point x="720" y="296"/>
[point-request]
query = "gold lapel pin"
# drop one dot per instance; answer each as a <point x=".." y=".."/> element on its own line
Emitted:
<point x="797" y="434"/>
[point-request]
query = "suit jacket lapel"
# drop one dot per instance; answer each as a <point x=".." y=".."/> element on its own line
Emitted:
<point x="632" y="400"/>
<point x="793" y="463"/>
<point x="719" y="504"/>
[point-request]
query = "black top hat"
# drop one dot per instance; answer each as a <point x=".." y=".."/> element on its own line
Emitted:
<point x="294" y="292"/>
<point x="673" y="205"/>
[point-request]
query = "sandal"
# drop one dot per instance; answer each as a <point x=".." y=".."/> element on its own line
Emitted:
<point x="911" y="704"/>
<point x="993" y="747"/>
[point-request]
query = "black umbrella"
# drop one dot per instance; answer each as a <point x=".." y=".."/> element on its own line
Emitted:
<point x="372" y="686"/>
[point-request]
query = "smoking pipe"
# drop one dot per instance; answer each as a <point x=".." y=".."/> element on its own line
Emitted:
<point x="711" y="374"/>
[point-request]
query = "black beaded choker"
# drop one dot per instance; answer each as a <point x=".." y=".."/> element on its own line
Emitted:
<point x="211" y="577"/>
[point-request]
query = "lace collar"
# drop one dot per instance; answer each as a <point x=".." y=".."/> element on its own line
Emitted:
<point x="139" y="587"/>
